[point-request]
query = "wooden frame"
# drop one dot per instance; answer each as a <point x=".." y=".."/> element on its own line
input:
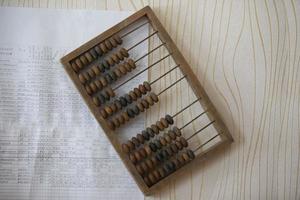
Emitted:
<point x="186" y="70"/>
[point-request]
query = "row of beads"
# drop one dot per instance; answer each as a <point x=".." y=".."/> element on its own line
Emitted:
<point x="97" y="69"/>
<point x="125" y="100"/>
<point x="148" y="133"/>
<point x="125" y="116"/>
<point x="172" y="149"/>
<point x="95" y="52"/>
<point x="169" y="167"/>
<point x="104" y="96"/>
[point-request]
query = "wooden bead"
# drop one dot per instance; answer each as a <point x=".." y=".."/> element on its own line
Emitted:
<point x="162" y="172"/>
<point x="99" y="84"/>
<point x="86" y="76"/>
<point x="125" y="148"/>
<point x="168" y="139"/>
<point x="149" y="100"/>
<point x="125" y="115"/>
<point x="128" y="98"/>
<point x="158" y="144"/>
<point x="91" y="73"/>
<point x="79" y="63"/>
<point x="131" y="63"/>
<point x="96" y="70"/>
<point x="164" y="122"/>
<point x="118" y="39"/>
<point x="185" y="157"/>
<point x="132" y="158"/>
<point x="136" y="110"/>
<point x="149" y="164"/>
<point x="113" y="42"/>
<point x="152" y="178"/>
<point x="174" y="148"/>
<point x="163" y="141"/>
<point x="101" y="68"/>
<point x="165" y="154"/>
<point x="120" y="56"/>
<point x="108" y="44"/>
<point x="154" y="160"/>
<point x="147" y="181"/>
<point x="190" y="154"/>
<point x="140" y="138"/>
<point x="171" y="166"/>
<point x="101" y="98"/>
<point x="98" y="50"/>
<point x="111" y="125"/>
<point x="138" y="156"/>
<point x="105" y="66"/>
<point x="121" y="119"/>
<point x="156" y="174"/>
<point x="108" y="78"/>
<point x="108" y="110"/>
<point x="130" y="144"/>
<point x="81" y="78"/>
<point x="176" y="163"/>
<point x="103" y="81"/>
<point x="74" y="67"/>
<point x="152" y="147"/>
<point x="110" y="92"/>
<point x="172" y="134"/>
<point x="143" y="152"/>
<point x="169" y="119"/>
<point x="94" y="87"/>
<point x="140" y="106"/>
<point x="133" y="95"/>
<point x="183" y="141"/>
<point x="130" y="112"/>
<point x="123" y="101"/>
<point x="155" y="128"/>
<point x="83" y="60"/>
<point x="127" y="67"/>
<point x="122" y="69"/>
<point x="150" y="131"/>
<point x="110" y="61"/>
<point x="113" y="107"/>
<point x="93" y="53"/>
<point x="135" y="141"/>
<point x="148" y="149"/>
<point x="88" y="57"/>
<point x="118" y="104"/>
<point x="146" y="135"/>
<point x="159" y="156"/>
<point x="137" y="92"/>
<point x="181" y="160"/>
<point x="103" y="113"/>
<point x="145" y="103"/>
<point x="115" y="58"/>
<point x="177" y="131"/>
<point x="179" y="145"/>
<point x="169" y="150"/>
<point x="118" y="72"/>
<point x="139" y="169"/>
<point x="113" y="75"/>
<point x="147" y="86"/>
<point x="88" y="89"/>
<point x="144" y="167"/>
<point x="96" y="101"/>
<point x="142" y="89"/>
<point x="103" y="47"/>
<point x="160" y="126"/>
<point x="154" y="97"/>
<point x="124" y="52"/>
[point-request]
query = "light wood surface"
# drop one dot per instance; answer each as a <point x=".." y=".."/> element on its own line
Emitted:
<point x="246" y="54"/>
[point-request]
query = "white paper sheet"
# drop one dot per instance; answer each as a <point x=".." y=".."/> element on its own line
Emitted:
<point x="50" y="145"/>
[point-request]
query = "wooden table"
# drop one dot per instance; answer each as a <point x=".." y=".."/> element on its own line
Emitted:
<point x="246" y="54"/>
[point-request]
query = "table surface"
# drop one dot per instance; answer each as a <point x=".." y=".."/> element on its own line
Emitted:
<point x="246" y="54"/>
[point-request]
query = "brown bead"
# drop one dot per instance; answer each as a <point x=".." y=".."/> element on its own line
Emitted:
<point x="93" y="53"/>
<point x="113" y="107"/>
<point x="88" y="89"/>
<point x="156" y="174"/>
<point x="147" y="149"/>
<point x="98" y="50"/>
<point x="147" y="181"/>
<point x="121" y="119"/>
<point x="143" y="152"/>
<point x="96" y="101"/>
<point x="142" y="89"/>
<point x="108" y="44"/>
<point x="149" y="163"/>
<point x="110" y="125"/>
<point x="113" y="42"/>
<point x="93" y="87"/>
<point x="160" y="126"/>
<point x="115" y="58"/>
<point x="135" y="141"/>
<point x="125" y="115"/>
<point x="118" y="39"/>
<point x="86" y="76"/>
<point x="169" y="119"/>
<point x="110" y="92"/>
<point x="172" y="134"/>
<point x="140" y="138"/>
<point x="122" y="69"/>
<point x="168" y="138"/>
<point x="154" y="97"/>
<point x="124" y="52"/>
<point x="185" y="157"/>
<point x="118" y="104"/>
<point x="88" y="57"/>
<point x="125" y="148"/>
<point x="174" y="148"/>
<point x="144" y="167"/>
<point x="138" y="156"/>
<point x="99" y="84"/>
<point x="131" y="63"/>
<point x="164" y="122"/>
<point x="103" y="47"/>
<point x="119" y="55"/>
<point x="163" y="141"/>
<point x="118" y="72"/>
<point x="183" y="141"/>
<point x="103" y="113"/>
<point x="91" y="73"/>
<point x="79" y="63"/>
<point x="169" y="150"/>
<point x="140" y="106"/>
<point x="130" y="145"/>
<point x="116" y="122"/>
<point x="108" y="110"/>
<point x="149" y="100"/>
<point x="137" y="92"/>
<point x="133" y="95"/>
<point x="145" y="103"/>
<point x="110" y="61"/>
<point x="191" y="154"/>
<point x="139" y="169"/>
<point x="103" y="81"/>
<point x="176" y="163"/>
<point x="132" y="158"/>
<point x="181" y="160"/>
<point x="177" y="131"/>
<point x="81" y="78"/>
<point x="155" y="129"/>
<point x="154" y="160"/>
<point x="96" y="70"/>
<point x="152" y="178"/>
<point x="162" y="172"/>
<point x="147" y="86"/>
<point x="75" y="67"/>
<point x="127" y="67"/>
<point x="83" y="60"/>
<point x="179" y="145"/>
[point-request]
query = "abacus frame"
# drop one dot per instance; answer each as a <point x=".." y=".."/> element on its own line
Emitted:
<point x="185" y="69"/>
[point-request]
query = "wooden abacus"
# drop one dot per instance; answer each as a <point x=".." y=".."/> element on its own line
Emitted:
<point x="151" y="158"/>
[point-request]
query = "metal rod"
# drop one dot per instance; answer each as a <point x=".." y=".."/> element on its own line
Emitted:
<point x="125" y="34"/>
<point x="164" y="74"/>
<point x="205" y="143"/>
<point x="142" y="41"/>
<point x="141" y="73"/>
<point x="185" y="108"/>
<point x="149" y="52"/>
<point x="192" y="120"/>
<point x="171" y="85"/>
<point x="201" y="129"/>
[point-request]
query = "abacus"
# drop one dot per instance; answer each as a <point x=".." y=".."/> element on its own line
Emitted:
<point x="159" y="151"/>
